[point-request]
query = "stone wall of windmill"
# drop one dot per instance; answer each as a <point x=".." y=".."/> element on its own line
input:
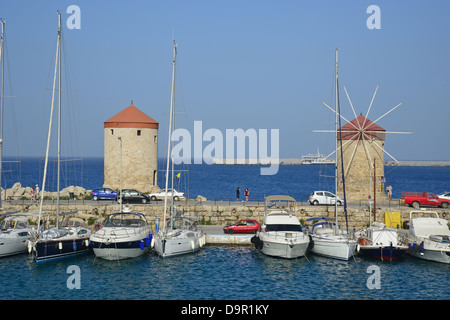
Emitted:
<point x="363" y="160"/>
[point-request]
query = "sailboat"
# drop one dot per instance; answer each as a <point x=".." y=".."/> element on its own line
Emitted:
<point x="71" y="235"/>
<point x="179" y="234"/>
<point x="327" y="238"/>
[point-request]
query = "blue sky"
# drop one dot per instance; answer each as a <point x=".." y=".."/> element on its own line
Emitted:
<point x="242" y="64"/>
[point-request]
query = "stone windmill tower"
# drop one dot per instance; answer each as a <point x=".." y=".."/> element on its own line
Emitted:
<point x="363" y="152"/>
<point x="131" y="148"/>
<point x="363" y="159"/>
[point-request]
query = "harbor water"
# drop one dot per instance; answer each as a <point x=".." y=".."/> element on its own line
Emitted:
<point x="231" y="272"/>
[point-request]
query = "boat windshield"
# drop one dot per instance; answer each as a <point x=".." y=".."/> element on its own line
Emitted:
<point x="284" y="227"/>
<point x="128" y="221"/>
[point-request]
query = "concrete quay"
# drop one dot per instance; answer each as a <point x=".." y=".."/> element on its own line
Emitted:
<point x="219" y="213"/>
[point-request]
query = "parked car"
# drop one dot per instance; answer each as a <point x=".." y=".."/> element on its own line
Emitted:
<point x="324" y="197"/>
<point x="103" y="193"/>
<point x="160" y="195"/>
<point x="243" y="226"/>
<point x="417" y="199"/>
<point x="445" y="195"/>
<point x="130" y="195"/>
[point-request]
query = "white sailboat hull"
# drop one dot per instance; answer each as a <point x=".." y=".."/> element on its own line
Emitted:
<point x="183" y="243"/>
<point x="336" y="247"/>
<point x="12" y="246"/>
<point x="277" y="244"/>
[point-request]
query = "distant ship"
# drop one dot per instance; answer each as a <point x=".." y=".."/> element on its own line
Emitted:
<point x="316" y="159"/>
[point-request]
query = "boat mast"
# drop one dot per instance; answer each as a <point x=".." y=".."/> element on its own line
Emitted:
<point x="172" y="107"/>
<point x="2" y="56"/>
<point x="59" y="121"/>
<point x="58" y="49"/>
<point x="336" y="143"/>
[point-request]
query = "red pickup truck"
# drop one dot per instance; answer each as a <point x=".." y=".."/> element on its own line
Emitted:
<point x="416" y="199"/>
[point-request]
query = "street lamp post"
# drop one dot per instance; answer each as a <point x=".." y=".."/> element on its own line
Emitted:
<point x="120" y="183"/>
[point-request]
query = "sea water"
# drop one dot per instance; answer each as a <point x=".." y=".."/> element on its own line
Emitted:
<point x="223" y="273"/>
<point x="229" y="272"/>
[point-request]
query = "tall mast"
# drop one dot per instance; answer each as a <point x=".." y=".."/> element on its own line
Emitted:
<point x="2" y="56"/>
<point x="336" y="143"/>
<point x="58" y="49"/>
<point x="59" y="120"/>
<point x="169" y="149"/>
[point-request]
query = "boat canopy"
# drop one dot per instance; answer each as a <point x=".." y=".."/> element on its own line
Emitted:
<point x="280" y="198"/>
<point x="319" y="218"/>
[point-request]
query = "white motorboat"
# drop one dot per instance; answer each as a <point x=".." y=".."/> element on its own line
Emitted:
<point x="123" y="235"/>
<point x="282" y="233"/>
<point x="429" y="237"/>
<point x="328" y="240"/>
<point x="381" y="242"/>
<point x="15" y="232"/>
<point x="178" y="235"/>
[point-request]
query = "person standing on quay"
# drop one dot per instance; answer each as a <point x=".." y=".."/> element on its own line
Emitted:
<point x="389" y="191"/>
<point x="37" y="192"/>
<point x="238" y="192"/>
<point x="246" y="193"/>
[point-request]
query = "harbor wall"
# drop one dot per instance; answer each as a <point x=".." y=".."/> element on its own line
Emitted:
<point x="213" y="214"/>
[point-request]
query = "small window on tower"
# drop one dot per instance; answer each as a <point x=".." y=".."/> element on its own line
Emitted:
<point x="139" y="132"/>
<point x="155" y="139"/>
<point x="112" y="131"/>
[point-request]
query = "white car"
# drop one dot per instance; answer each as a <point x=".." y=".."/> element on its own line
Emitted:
<point x="324" y="197"/>
<point x="160" y="195"/>
<point x="445" y="195"/>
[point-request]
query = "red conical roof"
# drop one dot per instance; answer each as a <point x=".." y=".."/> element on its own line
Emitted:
<point x="131" y="117"/>
<point x="352" y="130"/>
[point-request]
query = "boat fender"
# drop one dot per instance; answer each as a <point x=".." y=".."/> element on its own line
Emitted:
<point x="358" y="247"/>
<point x="86" y="242"/>
<point x="311" y="243"/>
<point x="152" y="243"/>
<point x="60" y="246"/>
<point x="147" y="241"/>
<point x="142" y="245"/>
<point x="421" y="248"/>
<point x="29" y="246"/>
<point x="74" y="245"/>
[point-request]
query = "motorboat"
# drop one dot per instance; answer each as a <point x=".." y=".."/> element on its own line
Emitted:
<point x="15" y="232"/>
<point x="123" y="235"/>
<point x="381" y="242"/>
<point x="282" y="233"/>
<point x="69" y="238"/>
<point x="329" y="240"/>
<point x="428" y="236"/>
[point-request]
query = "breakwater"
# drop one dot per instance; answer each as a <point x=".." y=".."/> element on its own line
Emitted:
<point x="213" y="213"/>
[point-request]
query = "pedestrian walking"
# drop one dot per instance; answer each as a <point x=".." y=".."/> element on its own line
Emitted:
<point x="37" y="192"/>
<point x="246" y="193"/>
<point x="238" y="193"/>
<point x="31" y="195"/>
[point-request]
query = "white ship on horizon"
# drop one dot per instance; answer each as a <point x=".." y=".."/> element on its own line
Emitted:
<point x="316" y="159"/>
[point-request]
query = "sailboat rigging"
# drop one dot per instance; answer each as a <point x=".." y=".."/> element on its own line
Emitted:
<point x="72" y="236"/>
<point x="326" y="237"/>
<point x="179" y="235"/>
